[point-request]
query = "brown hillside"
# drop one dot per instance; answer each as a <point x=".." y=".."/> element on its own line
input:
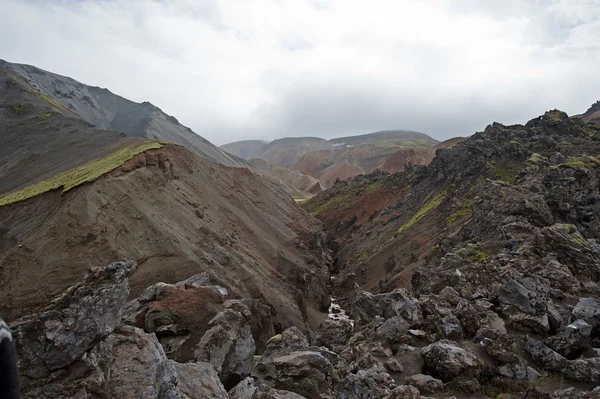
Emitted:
<point x="176" y="214"/>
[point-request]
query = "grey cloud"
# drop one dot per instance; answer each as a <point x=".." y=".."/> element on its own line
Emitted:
<point x="265" y="69"/>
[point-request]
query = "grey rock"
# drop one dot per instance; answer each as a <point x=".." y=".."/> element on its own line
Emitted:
<point x="396" y="303"/>
<point x="406" y="392"/>
<point x="308" y="373"/>
<point x="367" y="384"/>
<point x="518" y="371"/>
<point x="228" y="345"/>
<point x="588" y="310"/>
<point x="544" y="356"/>
<point x="393" y="365"/>
<point x="393" y="330"/>
<point x="585" y="370"/>
<point x="84" y="315"/>
<point x="292" y="339"/>
<point x="446" y="360"/>
<point x="449" y="294"/>
<point x="571" y="341"/>
<point x="198" y="381"/>
<point x="424" y="383"/>
<point x="525" y="303"/>
<point x="333" y="334"/>
<point x="245" y="389"/>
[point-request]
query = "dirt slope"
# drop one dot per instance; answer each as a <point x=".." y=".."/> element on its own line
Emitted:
<point x="245" y="149"/>
<point x="295" y="183"/>
<point x="176" y="214"/>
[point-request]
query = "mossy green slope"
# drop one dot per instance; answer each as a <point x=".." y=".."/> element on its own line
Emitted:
<point x="81" y="174"/>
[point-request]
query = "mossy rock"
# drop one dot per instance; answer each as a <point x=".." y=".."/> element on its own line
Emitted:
<point x="475" y="253"/>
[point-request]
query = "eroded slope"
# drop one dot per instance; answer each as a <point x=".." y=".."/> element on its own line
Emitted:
<point x="176" y="214"/>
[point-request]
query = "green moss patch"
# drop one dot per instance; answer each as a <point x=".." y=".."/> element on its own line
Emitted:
<point x="56" y="106"/>
<point x="475" y="253"/>
<point x="505" y="171"/>
<point x="464" y="211"/>
<point x="354" y="189"/>
<point x="579" y="162"/>
<point x="429" y="205"/>
<point x="81" y="174"/>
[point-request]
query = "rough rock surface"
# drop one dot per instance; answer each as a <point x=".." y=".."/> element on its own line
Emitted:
<point x="198" y="381"/>
<point x="228" y="345"/>
<point x="446" y="360"/>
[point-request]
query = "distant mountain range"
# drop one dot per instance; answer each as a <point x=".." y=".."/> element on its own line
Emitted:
<point x="344" y="157"/>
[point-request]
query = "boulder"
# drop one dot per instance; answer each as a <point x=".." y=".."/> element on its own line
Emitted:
<point x="393" y="365"/>
<point x="444" y="324"/>
<point x="333" y="334"/>
<point x="585" y="370"/>
<point x="524" y="302"/>
<point x="292" y="339"/>
<point x="247" y="389"/>
<point x="199" y="381"/>
<point x="84" y="315"/>
<point x="424" y="383"/>
<point x="518" y="371"/>
<point x="588" y="310"/>
<point x="133" y="364"/>
<point x="128" y="363"/>
<point x="368" y="384"/>
<point x="393" y="330"/>
<point x="572" y="340"/>
<point x="544" y="356"/>
<point x="446" y="360"/>
<point x="396" y="303"/>
<point x="308" y="373"/>
<point x="228" y="345"/>
<point x="244" y="389"/>
<point x="450" y="295"/>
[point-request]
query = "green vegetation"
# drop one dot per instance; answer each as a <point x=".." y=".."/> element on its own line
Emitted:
<point x="585" y="161"/>
<point x="430" y="204"/>
<point x="535" y="161"/>
<point x="81" y="174"/>
<point x="354" y="188"/>
<point x="56" y="106"/>
<point x="46" y="115"/>
<point x="463" y="211"/>
<point x="474" y="252"/>
<point x="556" y="115"/>
<point x="505" y="171"/>
<point x="574" y="234"/>
<point x="19" y="108"/>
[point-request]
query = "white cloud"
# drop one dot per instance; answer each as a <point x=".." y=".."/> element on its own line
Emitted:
<point x="236" y="69"/>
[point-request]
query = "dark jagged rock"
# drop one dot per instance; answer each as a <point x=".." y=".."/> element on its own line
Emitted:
<point x="424" y="383"/>
<point x="573" y="340"/>
<point x="446" y="360"/>
<point x="333" y="334"/>
<point x="84" y="315"/>
<point x="397" y="303"/>
<point x="78" y="348"/>
<point x="228" y="346"/>
<point x="198" y="381"/>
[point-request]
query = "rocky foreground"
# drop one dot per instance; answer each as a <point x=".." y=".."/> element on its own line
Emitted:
<point x="189" y="340"/>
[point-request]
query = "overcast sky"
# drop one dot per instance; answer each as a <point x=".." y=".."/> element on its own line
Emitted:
<point x="242" y="69"/>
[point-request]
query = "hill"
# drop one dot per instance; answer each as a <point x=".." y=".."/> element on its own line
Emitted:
<point x="341" y="158"/>
<point x="102" y="109"/>
<point x="496" y="241"/>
